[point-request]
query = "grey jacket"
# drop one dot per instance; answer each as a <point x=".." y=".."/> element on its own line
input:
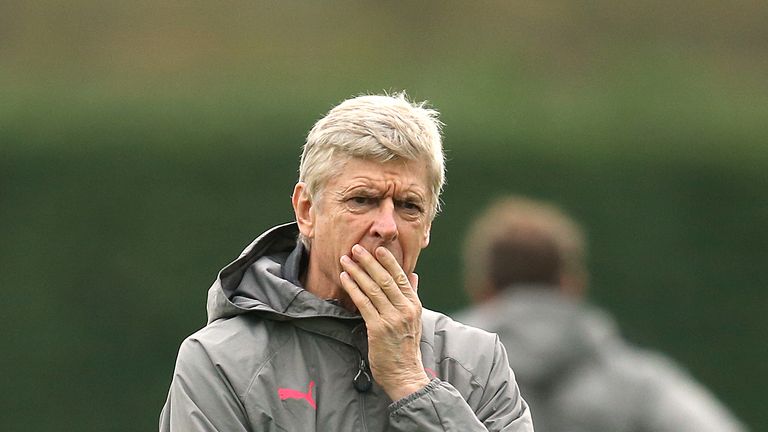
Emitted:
<point x="274" y="357"/>
<point x="578" y="375"/>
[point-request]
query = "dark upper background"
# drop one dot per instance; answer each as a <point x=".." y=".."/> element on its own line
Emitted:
<point x="142" y="145"/>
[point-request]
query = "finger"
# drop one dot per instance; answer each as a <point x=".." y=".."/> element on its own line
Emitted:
<point x="388" y="261"/>
<point x="388" y="280"/>
<point x="361" y="301"/>
<point x="403" y="281"/>
<point x="367" y="285"/>
<point x="414" y="279"/>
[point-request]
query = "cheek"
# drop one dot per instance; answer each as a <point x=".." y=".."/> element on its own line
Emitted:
<point x="415" y="242"/>
<point x="349" y="229"/>
<point x="421" y="235"/>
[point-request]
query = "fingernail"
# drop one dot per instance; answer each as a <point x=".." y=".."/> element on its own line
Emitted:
<point x="357" y="249"/>
<point x="345" y="259"/>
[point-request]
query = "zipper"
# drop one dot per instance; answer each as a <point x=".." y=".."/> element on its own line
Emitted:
<point x="362" y="380"/>
<point x="362" y="383"/>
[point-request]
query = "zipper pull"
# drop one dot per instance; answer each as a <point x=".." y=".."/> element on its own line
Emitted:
<point x="362" y="380"/>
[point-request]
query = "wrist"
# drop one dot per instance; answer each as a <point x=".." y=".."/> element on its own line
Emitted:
<point x="404" y="387"/>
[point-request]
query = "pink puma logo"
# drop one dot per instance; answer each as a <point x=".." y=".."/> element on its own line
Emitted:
<point x="431" y="372"/>
<point x="286" y="393"/>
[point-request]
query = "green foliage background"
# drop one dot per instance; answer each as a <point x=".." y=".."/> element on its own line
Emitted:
<point x="143" y="144"/>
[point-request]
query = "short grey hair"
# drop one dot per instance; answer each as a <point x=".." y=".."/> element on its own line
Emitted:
<point x="380" y="128"/>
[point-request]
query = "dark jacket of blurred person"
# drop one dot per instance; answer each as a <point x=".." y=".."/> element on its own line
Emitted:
<point x="526" y="273"/>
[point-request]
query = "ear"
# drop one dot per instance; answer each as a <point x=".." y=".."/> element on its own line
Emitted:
<point x="302" y="209"/>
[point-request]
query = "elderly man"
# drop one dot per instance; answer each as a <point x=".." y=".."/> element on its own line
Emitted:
<point x="525" y="268"/>
<point x="317" y="326"/>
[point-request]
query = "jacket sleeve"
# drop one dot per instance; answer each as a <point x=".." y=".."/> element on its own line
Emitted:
<point x="201" y="397"/>
<point x="440" y="406"/>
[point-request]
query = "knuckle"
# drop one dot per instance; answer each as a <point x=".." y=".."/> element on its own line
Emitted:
<point x="401" y="279"/>
<point x="372" y="297"/>
<point x="414" y="311"/>
<point x="385" y="283"/>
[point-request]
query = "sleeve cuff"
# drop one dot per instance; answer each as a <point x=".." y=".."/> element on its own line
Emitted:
<point x="398" y="404"/>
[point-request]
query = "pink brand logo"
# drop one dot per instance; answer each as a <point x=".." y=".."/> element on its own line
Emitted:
<point x="431" y="372"/>
<point x="286" y="393"/>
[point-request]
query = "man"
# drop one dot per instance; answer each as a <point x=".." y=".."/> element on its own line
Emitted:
<point x="317" y="326"/>
<point x="525" y="269"/>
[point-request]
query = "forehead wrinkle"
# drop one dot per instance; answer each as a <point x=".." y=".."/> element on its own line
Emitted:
<point x="383" y="183"/>
<point x="389" y="185"/>
<point x="390" y="188"/>
<point x="359" y="183"/>
<point x="414" y="189"/>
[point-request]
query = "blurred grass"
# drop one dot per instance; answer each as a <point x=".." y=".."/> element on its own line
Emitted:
<point x="143" y="144"/>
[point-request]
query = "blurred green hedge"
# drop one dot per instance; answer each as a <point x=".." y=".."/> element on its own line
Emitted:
<point x="117" y="214"/>
<point x="143" y="145"/>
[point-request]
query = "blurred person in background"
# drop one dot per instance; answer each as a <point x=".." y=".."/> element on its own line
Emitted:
<point x="317" y="325"/>
<point x="525" y="272"/>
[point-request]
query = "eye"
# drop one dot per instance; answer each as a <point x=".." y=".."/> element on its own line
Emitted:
<point x="361" y="201"/>
<point x="410" y="207"/>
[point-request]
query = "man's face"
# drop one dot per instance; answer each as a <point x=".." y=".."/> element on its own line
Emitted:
<point x="372" y="204"/>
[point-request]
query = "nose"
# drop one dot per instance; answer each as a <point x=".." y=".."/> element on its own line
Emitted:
<point x="384" y="225"/>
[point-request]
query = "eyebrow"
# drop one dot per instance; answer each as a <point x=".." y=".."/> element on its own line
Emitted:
<point x="365" y="189"/>
<point x="410" y="193"/>
<point x="411" y="196"/>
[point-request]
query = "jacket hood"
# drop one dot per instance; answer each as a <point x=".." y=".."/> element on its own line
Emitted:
<point x="545" y="334"/>
<point x="263" y="280"/>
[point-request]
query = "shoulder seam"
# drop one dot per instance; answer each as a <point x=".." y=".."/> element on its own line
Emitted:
<point x="472" y="374"/>
<point x="258" y="370"/>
